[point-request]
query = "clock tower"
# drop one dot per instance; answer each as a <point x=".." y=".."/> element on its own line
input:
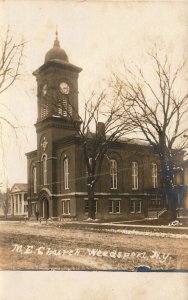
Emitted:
<point x="57" y="87"/>
<point x="57" y="97"/>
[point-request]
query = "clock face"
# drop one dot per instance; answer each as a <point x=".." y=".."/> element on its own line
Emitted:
<point x="64" y="88"/>
<point x="44" y="89"/>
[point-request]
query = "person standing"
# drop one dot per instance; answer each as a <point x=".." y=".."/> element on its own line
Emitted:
<point x="37" y="214"/>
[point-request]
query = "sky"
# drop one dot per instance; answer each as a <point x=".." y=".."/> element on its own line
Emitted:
<point x="96" y="35"/>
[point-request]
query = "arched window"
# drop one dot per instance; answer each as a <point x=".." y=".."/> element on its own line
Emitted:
<point x="154" y="175"/>
<point x="44" y="168"/>
<point x="66" y="173"/>
<point x="113" y="174"/>
<point x="134" y="175"/>
<point x="34" y="180"/>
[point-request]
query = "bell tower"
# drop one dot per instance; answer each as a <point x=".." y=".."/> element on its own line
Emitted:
<point x="57" y="94"/>
<point x="57" y="86"/>
<point x="57" y="97"/>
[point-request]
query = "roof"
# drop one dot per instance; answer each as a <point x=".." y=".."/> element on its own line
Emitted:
<point x="185" y="163"/>
<point x="31" y="153"/>
<point x="57" y="57"/>
<point x="134" y="141"/>
<point x="22" y="187"/>
<point x="121" y="142"/>
<point x="56" y="53"/>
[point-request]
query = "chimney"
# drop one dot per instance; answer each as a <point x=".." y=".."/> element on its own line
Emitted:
<point x="101" y="130"/>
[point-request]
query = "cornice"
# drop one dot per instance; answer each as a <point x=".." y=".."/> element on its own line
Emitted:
<point x="31" y="154"/>
<point x="57" y="64"/>
<point x="67" y="141"/>
<point x="53" y="122"/>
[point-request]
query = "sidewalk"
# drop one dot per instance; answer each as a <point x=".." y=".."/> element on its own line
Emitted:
<point x="123" y="224"/>
<point x="115" y="225"/>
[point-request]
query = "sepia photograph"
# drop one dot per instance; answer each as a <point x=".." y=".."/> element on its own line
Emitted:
<point x="94" y="139"/>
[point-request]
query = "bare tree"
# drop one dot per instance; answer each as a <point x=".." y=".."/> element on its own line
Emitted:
<point x="95" y="136"/>
<point x="11" y="56"/>
<point x="97" y="142"/>
<point x="158" y="111"/>
<point x="5" y="202"/>
<point x="10" y="61"/>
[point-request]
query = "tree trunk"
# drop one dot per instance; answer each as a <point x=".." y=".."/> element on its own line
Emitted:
<point x="167" y="166"/>
<point x="91" y="213"/>
<point x="169" y="189"/>
<point x="171" y="195"/>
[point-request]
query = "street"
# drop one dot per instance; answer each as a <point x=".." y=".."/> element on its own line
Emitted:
<point x="35" y="246"/>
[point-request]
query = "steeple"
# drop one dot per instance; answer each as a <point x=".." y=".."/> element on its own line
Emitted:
<point x="56" y="53"/>
<point x="56" y="42"/>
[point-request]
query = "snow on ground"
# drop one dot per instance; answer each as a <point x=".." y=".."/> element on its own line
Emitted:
<point x="146" y="233"/>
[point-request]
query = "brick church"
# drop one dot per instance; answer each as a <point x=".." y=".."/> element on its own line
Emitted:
<point x="129" y="187"/>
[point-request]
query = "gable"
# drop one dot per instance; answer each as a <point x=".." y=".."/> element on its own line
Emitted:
<point x="19" y="188"/>
<point x="15" y="189"/>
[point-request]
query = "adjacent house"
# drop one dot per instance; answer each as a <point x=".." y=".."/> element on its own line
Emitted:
<point x="18" y="199"/>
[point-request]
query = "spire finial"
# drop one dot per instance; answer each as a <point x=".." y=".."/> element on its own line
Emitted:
<point x="56" y="33"/>
<point x="56" y="42"/>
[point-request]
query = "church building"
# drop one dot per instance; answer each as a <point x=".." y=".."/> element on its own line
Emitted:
<point x="129" y="186"/>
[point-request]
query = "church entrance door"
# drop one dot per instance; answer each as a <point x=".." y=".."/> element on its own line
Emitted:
<point x="45" y="208"/>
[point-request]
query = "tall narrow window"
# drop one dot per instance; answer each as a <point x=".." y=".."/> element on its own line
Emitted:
<point x="34" y="180"/>
<point x="117" y="206"/>
<point x="113" y="174"/>
<point x="135" y="206"/>
<point x="111" y="206"/>
<point x="114" y="206"/>
<point x="44" y="169"/>
<point x="134" y="175"/>
<point x="66" y="173"/>
<point x="66" y="207"/>
<point x="154" y="175"/>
